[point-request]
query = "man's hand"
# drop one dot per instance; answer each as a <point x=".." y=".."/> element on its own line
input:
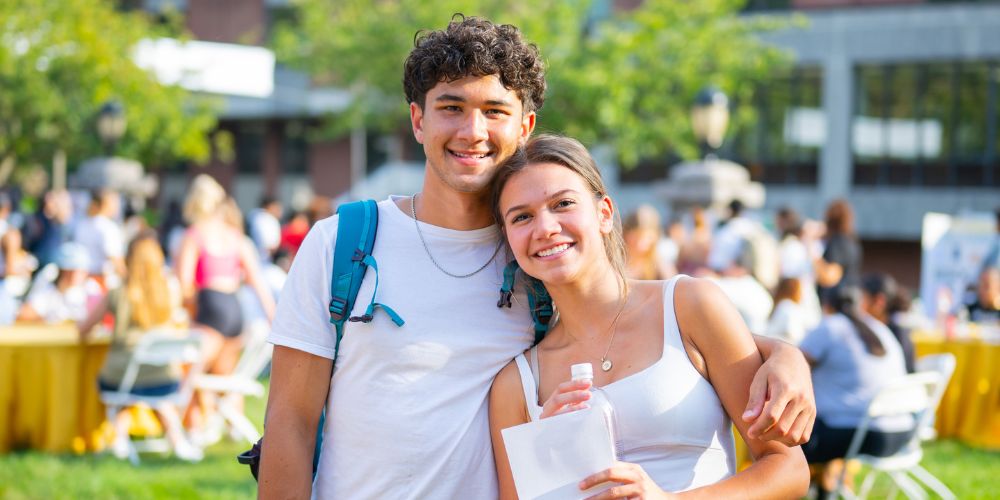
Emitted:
<point x="781" y="406"/>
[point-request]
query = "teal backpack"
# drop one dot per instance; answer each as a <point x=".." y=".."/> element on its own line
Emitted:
<point x="352" y="256"/>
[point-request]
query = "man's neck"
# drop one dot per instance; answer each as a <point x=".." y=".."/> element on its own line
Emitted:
<point x="443" y="207"/>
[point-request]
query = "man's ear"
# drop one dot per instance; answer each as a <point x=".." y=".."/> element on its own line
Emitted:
<point x="606" y="212"/>
<point x="417" y="121"/>
<point x="527" y="126"/>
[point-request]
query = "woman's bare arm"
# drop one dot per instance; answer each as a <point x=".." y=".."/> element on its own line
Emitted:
<point x="507" y="409"/>
<point x="187" y="258"/>
<point x="249" y="260"/>
<point x="712" y="324"/>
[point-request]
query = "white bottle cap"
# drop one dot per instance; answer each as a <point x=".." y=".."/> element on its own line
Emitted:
<point x="581" y="371"/>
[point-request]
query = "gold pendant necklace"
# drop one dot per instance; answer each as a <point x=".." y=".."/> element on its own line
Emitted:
<point x="606" y="364"/>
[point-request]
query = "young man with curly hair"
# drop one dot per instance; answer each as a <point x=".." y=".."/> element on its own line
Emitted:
<point x="407" y="406"/>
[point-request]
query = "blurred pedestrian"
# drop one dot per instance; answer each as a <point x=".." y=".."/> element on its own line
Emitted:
<point x="787" y="321"/>
<point x="265" y="227"/>
<point x="171" y="231"/>
<point x="140" y="305"/>
<point x="736" y="234"/>
<point x="320" y="207"/>
<point x="214" y="260"/>
<point x="692" y="256"/>
<point x="986" y="307"/>
<point x="50" y="227"/>
<point x="992" y="258"/>
<point x="642" y="236"/>
<point x="69" y="297"/>
<point x="883" y="299"/>
<point x="293" y="232"/>
<point x="795" y="259"/>
<point x="840" y="263"/>
<point x="729" y="238"/>
<point x="15" y="264"/>
<point x="750" y="297"/>
<point x="102" y="235"/>
<point x="853" y="356"/>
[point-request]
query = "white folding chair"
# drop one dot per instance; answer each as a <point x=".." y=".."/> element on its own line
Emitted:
<point x="155" y="348"/>
<point x="943" y="364"/>
<point x="910" y="395"/>
<point x="233" y="387"/>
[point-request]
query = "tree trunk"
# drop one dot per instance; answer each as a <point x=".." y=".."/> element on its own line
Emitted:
<point x="6" y="168"/>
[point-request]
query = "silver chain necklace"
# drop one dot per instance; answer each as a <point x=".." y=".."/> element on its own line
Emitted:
<point x="416" y="223"/>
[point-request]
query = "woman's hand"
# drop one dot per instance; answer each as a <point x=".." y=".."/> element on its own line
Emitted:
<point x="633" y="482"/>
<point x="568" y="396"/>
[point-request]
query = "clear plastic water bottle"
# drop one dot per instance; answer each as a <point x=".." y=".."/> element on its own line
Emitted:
<point x="598" y="402"/>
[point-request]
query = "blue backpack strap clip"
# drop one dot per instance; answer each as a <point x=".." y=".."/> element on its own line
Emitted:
<point x="539" y="301"/>
<point x="352" y="256"/>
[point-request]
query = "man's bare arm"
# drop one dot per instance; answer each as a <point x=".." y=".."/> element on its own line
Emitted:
<point x="782" y="406"/>
<point x="299" y="385"/>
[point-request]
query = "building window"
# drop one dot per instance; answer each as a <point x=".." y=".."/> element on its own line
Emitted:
<point x="294" y="148"/>
<point x="249" y="138"/>
<point x="781" y="143"/>
<point x="926" y="124"/>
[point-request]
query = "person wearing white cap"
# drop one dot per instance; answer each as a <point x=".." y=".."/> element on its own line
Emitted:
<point x="66" y="298"/>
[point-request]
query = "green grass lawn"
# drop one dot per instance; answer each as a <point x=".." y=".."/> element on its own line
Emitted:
<point x="969" y="472"/>
<point x="33" y="475"/>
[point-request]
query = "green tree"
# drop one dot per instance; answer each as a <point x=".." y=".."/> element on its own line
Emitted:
<point x="61" y="60"/>
<point x="626" y="78"/>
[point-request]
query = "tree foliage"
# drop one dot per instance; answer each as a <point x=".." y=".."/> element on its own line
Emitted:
<point x="625" y="78"/>
<point x="61" y="60"/>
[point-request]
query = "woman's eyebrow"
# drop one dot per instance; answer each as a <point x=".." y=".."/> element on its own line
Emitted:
<point x="553" y="195"/>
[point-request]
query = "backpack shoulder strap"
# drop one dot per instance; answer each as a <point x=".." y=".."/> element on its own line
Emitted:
<point x="352" y="256"/>
<point x="357" y="225"/>
<point x="539" y="301"/>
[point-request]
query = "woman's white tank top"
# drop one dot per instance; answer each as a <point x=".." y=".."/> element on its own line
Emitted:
<point x="670" y="419"/>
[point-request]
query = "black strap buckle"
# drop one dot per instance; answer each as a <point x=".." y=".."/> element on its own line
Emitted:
<point x="338" y="308"/>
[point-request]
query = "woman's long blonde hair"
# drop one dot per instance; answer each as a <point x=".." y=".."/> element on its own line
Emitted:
<point x="204" y="198"/>
<point x="146" y="283"/>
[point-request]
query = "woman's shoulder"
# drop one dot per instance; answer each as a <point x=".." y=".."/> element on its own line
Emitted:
<point x="507" y="382"/>
<point x="697" y="293"/>
<point x="688" y="292"/>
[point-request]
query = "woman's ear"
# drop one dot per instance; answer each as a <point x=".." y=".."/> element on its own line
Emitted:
<point x="606" y="213"/>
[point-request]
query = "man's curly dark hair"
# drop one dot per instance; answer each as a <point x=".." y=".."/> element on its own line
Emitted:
<point x="473" y="46"/>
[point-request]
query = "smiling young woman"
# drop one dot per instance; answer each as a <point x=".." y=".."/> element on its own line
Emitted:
<point x="683" y="359"/>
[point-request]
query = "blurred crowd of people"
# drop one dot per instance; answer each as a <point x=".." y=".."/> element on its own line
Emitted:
<point x="776" y="272"/>
<point x="803" y="283"/>
<point x="206" y="270"/>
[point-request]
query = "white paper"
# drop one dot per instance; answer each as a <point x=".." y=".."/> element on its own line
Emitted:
<point x="550" y="457"/>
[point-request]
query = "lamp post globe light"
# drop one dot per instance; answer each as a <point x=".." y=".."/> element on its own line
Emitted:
<point x="123" y="175"/>
<point x="709" y="182"/>
<point x="111" y="124"/>
<point x="710" y="117"/>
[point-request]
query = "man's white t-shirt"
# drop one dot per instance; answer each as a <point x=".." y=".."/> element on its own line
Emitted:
<point x="728" y="241"/>
<point x="103" y="238"/>
<point x="407" y="412"/>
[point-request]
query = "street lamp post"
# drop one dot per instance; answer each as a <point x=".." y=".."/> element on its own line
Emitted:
<point x="709" y="182"/>
<point x="123" y="175"/>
